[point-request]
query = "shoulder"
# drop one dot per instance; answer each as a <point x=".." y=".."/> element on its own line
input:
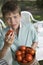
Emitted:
<point x="3" y="31"/>
<point x="6" y="29"/>
<point x="29" y="26"/>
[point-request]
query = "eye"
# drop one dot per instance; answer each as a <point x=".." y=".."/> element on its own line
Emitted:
<point x="15" y="16"/>
<point x="8" y="19"/>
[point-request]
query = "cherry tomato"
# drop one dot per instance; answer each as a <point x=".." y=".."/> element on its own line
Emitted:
<point x="23" y="52"/>
<point x="18" y="53"/>
<point x="32" y="51"/>
<point x="19" y="58"/>
<point x="29" y="57"/>
<point x="9" y="31"/>
<point x="22" y="48"/>
<point x="28" y="49"/>
<point x="24" y="60"/>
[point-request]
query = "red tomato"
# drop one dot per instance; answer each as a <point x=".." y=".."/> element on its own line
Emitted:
<point x="19" y="58"/>
<point x="28" y="49"/>
<point x="32" y="51"/>
<point x="29" y="57"/>
<point x="23" y="52"/>
<point x="22" y="48"/>
<point x="18" y="53"/>
<point x="24" y="61"/>
<point x="23" y="55"/>
<point x="9" y="31"/>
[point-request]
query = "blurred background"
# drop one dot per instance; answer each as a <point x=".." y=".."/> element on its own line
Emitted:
<point x="33" y="6"/>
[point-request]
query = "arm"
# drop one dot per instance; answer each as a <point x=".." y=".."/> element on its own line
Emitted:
<point x="34" y="38"/>
<point x="34" y="45"/>
<point x="3" y="51"/>
<point x="7" y="43"/>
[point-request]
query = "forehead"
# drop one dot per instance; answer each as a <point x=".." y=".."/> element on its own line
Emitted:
<point x="10" y="14"/>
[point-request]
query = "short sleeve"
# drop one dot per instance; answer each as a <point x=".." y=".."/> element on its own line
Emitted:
<point x="1" y="41"/>
<point x="34" y="35"/>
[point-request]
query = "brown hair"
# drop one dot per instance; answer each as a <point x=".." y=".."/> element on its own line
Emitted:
<point x="10" y="6"/>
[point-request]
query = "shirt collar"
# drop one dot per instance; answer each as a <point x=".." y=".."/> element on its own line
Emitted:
<point x="20" y="24"/>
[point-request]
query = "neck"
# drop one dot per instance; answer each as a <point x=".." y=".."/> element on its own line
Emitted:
<point x="17" y="30"/>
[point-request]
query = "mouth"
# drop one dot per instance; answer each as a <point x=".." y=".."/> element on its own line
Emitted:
<point x="14" y="25"/>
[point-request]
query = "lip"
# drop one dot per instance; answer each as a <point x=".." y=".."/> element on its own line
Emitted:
<point x="14" y="25"/>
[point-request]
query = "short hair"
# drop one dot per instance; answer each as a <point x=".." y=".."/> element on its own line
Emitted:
<point x="10" y="6"/>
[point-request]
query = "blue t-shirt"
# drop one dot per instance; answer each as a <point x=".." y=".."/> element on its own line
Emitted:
<point x="26" y="36"/>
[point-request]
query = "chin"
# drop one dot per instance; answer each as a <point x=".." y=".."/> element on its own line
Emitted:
<point x="14" y="28"/>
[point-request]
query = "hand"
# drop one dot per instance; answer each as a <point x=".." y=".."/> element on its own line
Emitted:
<point x="9" y="38"/>
<point x="34" y="45"/>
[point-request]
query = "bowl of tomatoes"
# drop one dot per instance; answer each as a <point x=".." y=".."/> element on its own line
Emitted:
<point x="25" y="55"/>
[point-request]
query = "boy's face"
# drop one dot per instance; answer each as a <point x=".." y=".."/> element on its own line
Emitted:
<point x="13" y="20"/>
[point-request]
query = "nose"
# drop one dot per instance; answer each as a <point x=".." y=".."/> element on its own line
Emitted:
<point x="12" y="21"/>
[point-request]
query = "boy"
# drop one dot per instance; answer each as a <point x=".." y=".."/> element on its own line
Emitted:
<point x="24" y="34"/>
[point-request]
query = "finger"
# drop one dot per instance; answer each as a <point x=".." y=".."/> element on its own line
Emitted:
<point x="10" y="35"/>
<point x="11" y="41"/>
<point x="7" y="36"/>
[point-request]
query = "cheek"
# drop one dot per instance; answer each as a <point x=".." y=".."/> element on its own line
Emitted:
<point x="17" y="21"/>
<point x="8" y="23"/>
